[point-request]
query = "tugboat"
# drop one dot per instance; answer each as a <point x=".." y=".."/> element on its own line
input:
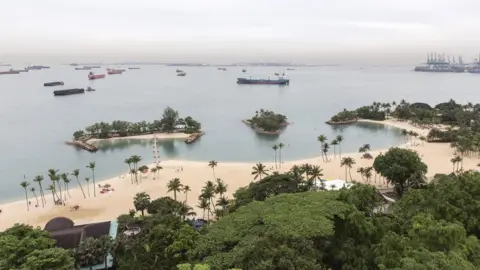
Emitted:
<point x="89" y="89"/>
<point x="279" y="81"/>
<point x="92" y="76"/>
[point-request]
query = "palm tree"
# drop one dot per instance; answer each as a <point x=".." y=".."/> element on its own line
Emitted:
<point x="213" y="164"/>
<point x="223" y="203"/>
<point x="280" y="147"/>
<point x="52" y="174"/>
<point x="454" y="162"/>
<point x="208" y="192"/>
<point x="347" y="162"/>
<point x="128" y="161"/>
<point x="65" y="180"/>
<point x="220" y="187"/>
<point x="76" y="173"/>
<point x="52" y="189"/>
<point x="322" y="139"/>
<point x="203" y="204"/>
<point x="154" y="171"/>
<point x="158" y="167"/>
<point x="259" y="170"/>
<point x="39" y="180"/>
<point x="91" y="166"/>
<point x="88" y="186"/>
<point x="186" y="189"/>
<point x="325" y="148"/>
<point x="25" y="184"/>
<point x="306" y="168"/>
<point x="185" y="210"/>
<point x="334" y="143"/>
<point x="275" y="148"/>
<point x="316" y="173"/>
<point x="34" y="194"/>
<point x="405" y="134"/>
<point x="366" y="147"/>
<point x="135" y="159"/>
<point x="368" y="174"/>
<point x="175" y="186"/>
<point x="339" y="139"/>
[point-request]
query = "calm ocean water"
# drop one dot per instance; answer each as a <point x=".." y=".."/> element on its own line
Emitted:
<point x="35" y="124"/>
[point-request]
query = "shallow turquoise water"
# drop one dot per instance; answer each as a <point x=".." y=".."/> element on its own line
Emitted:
<point x="35" y="124"/>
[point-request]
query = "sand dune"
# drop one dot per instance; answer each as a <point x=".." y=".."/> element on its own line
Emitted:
<point x="108" y="206"/>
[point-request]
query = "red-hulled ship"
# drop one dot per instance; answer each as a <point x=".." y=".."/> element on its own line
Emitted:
<point x="92" y="76"/>
<point x="114" y="71"/>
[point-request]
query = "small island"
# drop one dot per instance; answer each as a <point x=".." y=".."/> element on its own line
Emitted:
<point x="170" y="125"/>
<point x="267" y="122"/>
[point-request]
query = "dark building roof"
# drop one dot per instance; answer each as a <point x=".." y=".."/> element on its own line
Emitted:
<point x="69" y="236"/>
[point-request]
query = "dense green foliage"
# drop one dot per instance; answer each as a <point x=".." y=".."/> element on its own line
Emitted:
<point x="169" y="122"/>
<point x="268" y="121"/>
<point x="25" y="247"/>
<point x="286" y="221"/>
<point x="377" y="111"/>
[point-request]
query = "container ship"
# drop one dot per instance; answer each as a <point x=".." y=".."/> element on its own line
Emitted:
<point x="439" y="63"/>
<point x="67" y="92"/>
<point x="92" y="76"/>
<point x="475" y="66"/>
<point x="279" y="81"/>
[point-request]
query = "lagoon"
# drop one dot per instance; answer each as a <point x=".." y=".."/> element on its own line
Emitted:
<point x="35" y="124"/>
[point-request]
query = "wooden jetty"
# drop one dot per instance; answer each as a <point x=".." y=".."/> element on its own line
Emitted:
<point x="193" y="137"/>
<point x="83" y="145"/>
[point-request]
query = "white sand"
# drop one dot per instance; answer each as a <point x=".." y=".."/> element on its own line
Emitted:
<point x="108" y="206"/>
<point x="160" y="136"/>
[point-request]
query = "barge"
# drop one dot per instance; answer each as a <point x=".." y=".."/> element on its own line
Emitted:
<point x="53" y="83"/>
<point x="67" y="92"/>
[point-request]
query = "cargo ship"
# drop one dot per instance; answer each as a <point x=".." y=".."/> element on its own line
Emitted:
<point x="133" y="68"/>
<point x="37" y="67"/>
<point x="222" y="69"/>
<point x="11" y="71"/>
<point x="92" y="76"/>
<point x="83" y="68"/>
<point x="20" y="70"/>
<point x="52" y="83"/>
<point x="114" y="71"/>
<point x="67" y="92"/>
<point x="439" y="63"/>
<point x="92" y="66"/>
<point x="278" y="81"/>
<point x="475" y="66"/>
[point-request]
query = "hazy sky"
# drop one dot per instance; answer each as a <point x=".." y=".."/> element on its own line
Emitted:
<point x="312" y="31"/>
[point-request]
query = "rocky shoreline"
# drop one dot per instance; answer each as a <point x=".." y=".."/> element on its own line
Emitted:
<point x="261" y="131"/>
<point x="342" y="122"/>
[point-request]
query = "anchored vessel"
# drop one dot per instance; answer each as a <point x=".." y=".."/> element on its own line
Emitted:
<point x="115" y="71"/>
<point x="280" y="81"/>
<point x="11" y="71"/>
<point x="439" y="63"/>
<point x="92" y="76"/>
<point x="52" y="83"/>
<point x="181" y="73"/>
<point x="83" y="68"/>
<point x="67" y="92"/>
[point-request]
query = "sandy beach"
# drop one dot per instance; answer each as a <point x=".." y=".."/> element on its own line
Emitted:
<point x="194" y="174"/>
<point x="160" y="136"/>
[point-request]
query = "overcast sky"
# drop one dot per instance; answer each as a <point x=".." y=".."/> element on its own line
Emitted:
<point x="308" y="31"/>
